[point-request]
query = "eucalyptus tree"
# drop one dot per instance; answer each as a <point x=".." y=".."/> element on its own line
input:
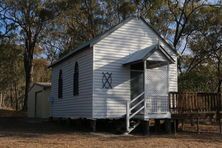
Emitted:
<point x="11" y="72"/>
<point x="28" y="17"/>
<point x="206" y="43"/>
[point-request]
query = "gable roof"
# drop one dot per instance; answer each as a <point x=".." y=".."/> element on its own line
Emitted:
<point x="44" y="85"/>
<point x="145" y="53"/>
<point x="95" y="40"/>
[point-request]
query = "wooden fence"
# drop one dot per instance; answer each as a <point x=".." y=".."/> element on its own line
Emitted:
<point x="195" y="102"/>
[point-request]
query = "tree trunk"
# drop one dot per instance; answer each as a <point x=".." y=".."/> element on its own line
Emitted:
<point x="28" y="68"/>
<point x="219" y="75"/>
<point x="219" y="87"/>
<point x="11" y="97"/>
<point x="16" y="96"/>
<point x="1" y="98"/>
<point x="27" y="85"/>
<point x="28" y="57"/>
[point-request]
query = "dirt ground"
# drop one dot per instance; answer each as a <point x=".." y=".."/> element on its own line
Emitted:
<point x="23" y="132"/>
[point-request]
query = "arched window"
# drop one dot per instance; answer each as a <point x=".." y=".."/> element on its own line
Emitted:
<point x="60" y="85"/>
<point x="76" y="80"/>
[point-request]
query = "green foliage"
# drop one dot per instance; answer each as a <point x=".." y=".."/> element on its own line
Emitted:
<point x="30" y="17"/>
<point x="10" y="64"/>
<point x="126" y="8"/>
<point x="206" y="43"/>
<point x="202" y="79"/>
<point x="11" y="73"/>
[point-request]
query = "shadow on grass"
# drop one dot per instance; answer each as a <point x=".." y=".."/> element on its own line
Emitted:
<point x="34" y="128"/>
<point x="21" y="127"/>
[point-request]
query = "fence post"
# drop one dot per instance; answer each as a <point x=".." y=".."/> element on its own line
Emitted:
<point x="127" y="115"/>
<point x="145" y="100"/>
<point x="169" y="101"/>
<point x="175" y="127"/>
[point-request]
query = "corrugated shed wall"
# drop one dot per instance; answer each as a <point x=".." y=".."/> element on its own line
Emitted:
<point x="42" y="102"/>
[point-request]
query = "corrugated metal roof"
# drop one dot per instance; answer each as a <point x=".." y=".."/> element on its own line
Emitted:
<point x="143" y="54"/>
<point x="139" y="55"/>
<point x="91" y="42"/>
<point x="43" y="84"/>
<point x="95" y="40"/>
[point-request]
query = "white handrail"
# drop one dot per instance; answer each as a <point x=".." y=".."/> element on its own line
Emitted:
<point x="137" y="97"/>
<point x="127" y="115"/>
<point x="136" y="112"/>
<point x="136" y="104"/>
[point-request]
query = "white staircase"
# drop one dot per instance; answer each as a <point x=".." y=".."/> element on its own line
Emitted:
<point x="133" y="108"/>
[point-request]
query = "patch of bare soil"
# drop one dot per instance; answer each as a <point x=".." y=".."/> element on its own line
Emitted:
<point x="78" y="139"/>
<point x="23" y="132"/>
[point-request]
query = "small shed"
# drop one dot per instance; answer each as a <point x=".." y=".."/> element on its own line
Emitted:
<point x="38" y="102"/>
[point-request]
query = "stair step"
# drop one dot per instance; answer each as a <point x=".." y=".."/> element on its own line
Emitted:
<point x="134" y="126"/>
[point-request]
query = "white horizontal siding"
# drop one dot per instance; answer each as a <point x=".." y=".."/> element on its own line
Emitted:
<point x="173" y="73"/>
<point x="173" y="80"/>
<point x="74" y="106"/>
<point x="109" y="55"/>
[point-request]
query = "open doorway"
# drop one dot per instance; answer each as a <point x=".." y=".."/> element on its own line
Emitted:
<point x="136" y="79"/>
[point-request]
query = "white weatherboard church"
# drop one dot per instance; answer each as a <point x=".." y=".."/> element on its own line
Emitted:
<point x="126" y="72"/>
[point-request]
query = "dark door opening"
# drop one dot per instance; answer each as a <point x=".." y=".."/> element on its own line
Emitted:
<point x="136" y="80"/>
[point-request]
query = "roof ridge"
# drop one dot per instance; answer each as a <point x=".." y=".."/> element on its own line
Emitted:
<point x="94" y="40"/>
